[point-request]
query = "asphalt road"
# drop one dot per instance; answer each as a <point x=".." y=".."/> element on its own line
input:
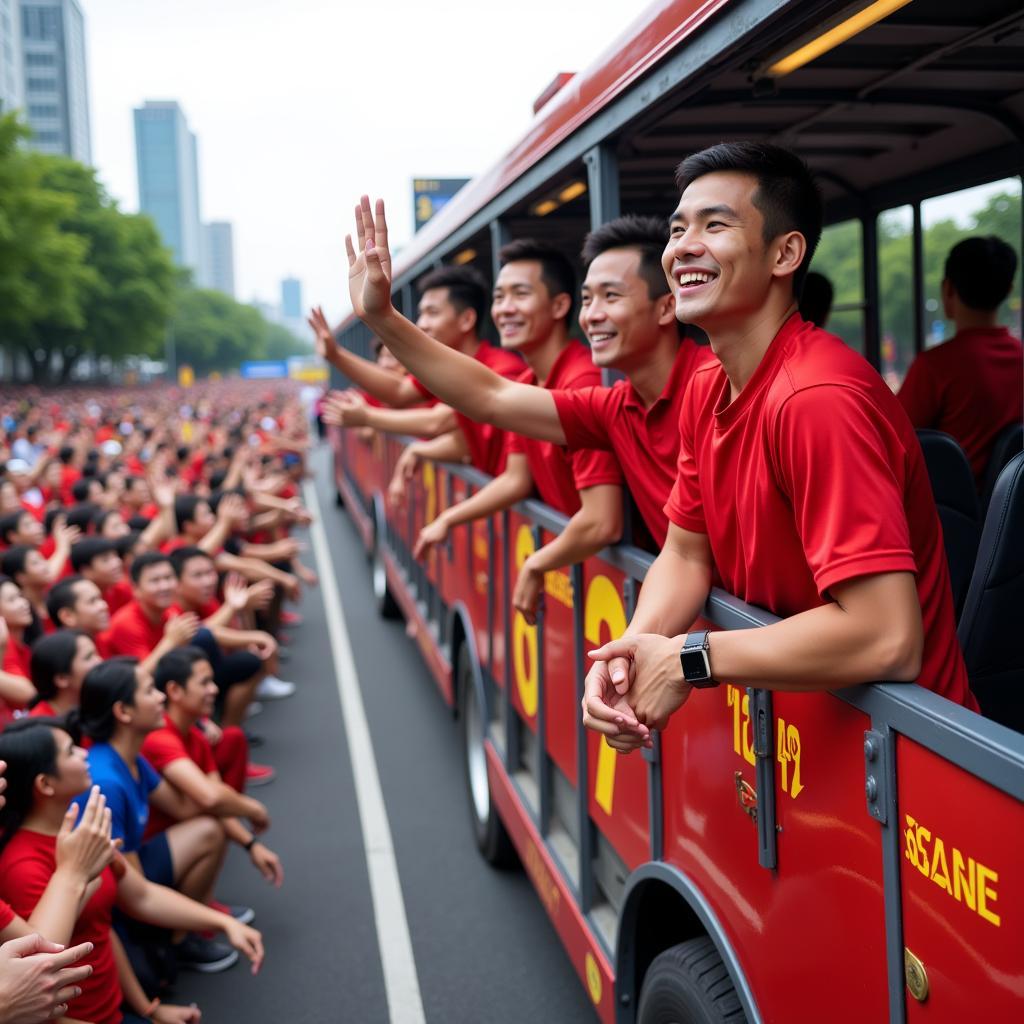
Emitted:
<point x="483" y="947"/>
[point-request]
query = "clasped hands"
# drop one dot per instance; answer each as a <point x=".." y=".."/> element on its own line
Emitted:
<point x="635" y="684"/>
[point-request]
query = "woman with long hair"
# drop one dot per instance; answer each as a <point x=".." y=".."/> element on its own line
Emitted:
<point x="16" y="689"/>
<point x="58" y="665"/>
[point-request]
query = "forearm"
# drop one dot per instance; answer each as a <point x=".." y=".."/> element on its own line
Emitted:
<point x="221" y="617"/>
<point x="582" y="537"/>
<point x="420" y="422"/>
<point x="383" y="385"/>
<point x="231" y="639"/>
<point x="502" y="492"/>
<point x="821" y="649"/>
<point x="58" y="560"/>
<point x="159" y="905"/>
<point x="674" y="591"/>
<point x="150" y="661"/>
<point x="236" y="831"/>
<point x="15" y="689"/>
<point x="57" y="911"/>
<point x="450" y="447"/>
<point x="213" y="540"/>
<point x="253" y="569"/>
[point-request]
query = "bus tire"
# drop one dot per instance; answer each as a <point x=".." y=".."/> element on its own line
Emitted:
<point x="489" y="833"/>
<point x="387" y="607"/>
<point x="689" y="984"/>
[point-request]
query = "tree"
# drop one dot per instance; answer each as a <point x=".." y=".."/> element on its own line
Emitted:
<point x="127" y="300"/>
<point x="213" y="332"/>
<point x="43" y="268"/>
<point x="280" y="343"/>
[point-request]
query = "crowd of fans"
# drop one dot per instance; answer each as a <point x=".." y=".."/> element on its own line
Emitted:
<point x="148" y="561"/>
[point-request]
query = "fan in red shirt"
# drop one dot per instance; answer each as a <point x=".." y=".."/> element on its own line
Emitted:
<point x="76" y="603"/>
<point x="16" y="690"/>
<point x="58" y="665"/>
<point x="532" y="306"/>
<point x="98" y="560"/>
<point x="971" y="386"/>
<point x="145" y="628"/>
<point x="451" y="311"/>
<point x="799" y="479"/>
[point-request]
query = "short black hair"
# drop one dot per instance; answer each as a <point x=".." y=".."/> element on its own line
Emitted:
<point x="185" y="506"/>
<point x="81" y="515"/>
<point x="787" y="195"/>
<point x="981" y="270"/>
<point x="12" y="563"/>
<point x="184" y="554"/>
<point x="647" y="235"/>
<point x="88" y="549"/>
<point x="80" y="488"/>
<point x="467" y="289"/>
<point x="143" y="562"/>
<point x="176" y="666"/>
<point x="555" y="269"/>
<point x="66" y="454"/>
<point x="9" y="524"/>
<point x="816" y="299"/>
<point x="62" y="595"/>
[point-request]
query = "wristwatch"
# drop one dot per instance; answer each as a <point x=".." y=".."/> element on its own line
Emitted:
<point x="695" y="661"/>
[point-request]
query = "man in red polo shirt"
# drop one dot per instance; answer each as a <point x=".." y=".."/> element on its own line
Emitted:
<point x="532" y="307"/>
<point x="628" y="316"/>
<point x="451" y="311"/>
<point x="98" y="560"/>
<point x="800" y="480"/>
<point x="971" y="386"/>
<point x="145" y="627"/>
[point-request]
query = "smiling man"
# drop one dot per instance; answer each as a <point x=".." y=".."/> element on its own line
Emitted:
<point x="800" y="479"/>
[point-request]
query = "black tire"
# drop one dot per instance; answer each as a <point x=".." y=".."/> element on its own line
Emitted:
<point x="387" y="607"/>
<point x="688" y="984"/>
<point x="339" y="499"/>
<point x="489" y="833"/>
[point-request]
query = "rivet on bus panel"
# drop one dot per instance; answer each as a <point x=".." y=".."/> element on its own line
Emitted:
<point x="916" y="975"/>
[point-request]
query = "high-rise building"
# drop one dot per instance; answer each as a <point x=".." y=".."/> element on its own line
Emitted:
<point x="219" y="257"/>
<point x="167" y="160"/>
<point x="56" y="98"/>
<point x="291" y="298"/>
<point x="12" y="82"/>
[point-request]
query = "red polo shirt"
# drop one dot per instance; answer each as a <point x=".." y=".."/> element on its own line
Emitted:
<point x="118" y="595"/>
<point x="813" y="476"/>
<point x="646" y="441"/>
<point x="167" y="744"/>
<point x="971" y="386"/>
<point x="132" y="633"/>
<point x="560" y="474"/>
<point x="486" y="442"/>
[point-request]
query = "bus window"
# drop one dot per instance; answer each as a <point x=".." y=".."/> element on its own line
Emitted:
<point x="896" y="293"/>
<point x="840" y="258"/>
<point x="993" y="209"/>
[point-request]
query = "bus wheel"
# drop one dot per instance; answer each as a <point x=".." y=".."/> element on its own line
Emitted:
<point x="387" y="608"/>
<point x="492" y="840"/>
<point x="688" y="984"/>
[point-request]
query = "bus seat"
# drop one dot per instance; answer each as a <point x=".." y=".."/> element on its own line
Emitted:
<point x="990" y="627"/>
<point x="957" y="501"/>
<point x="1008" y="442"/>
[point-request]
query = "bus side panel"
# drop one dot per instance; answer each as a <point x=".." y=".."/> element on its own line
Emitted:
<point x="561" y="707"/>
<point x="480" y="583"/>
<point x="524" y="649"/>
<point x="617" y="785"/>
<point x="826" y="893"/>
<point x="963" y="889"/>
<point x="456" y="580"/>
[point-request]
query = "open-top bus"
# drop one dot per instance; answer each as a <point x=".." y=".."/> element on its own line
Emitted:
<point x="843" y="857"/>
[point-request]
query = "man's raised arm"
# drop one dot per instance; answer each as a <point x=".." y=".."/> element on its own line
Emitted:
<point x="387" y="387"/>
<point x="462" y="382"/>
<point x="347" y="409"/>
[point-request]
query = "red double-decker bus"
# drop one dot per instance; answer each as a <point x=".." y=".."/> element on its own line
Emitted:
<point x="844" y="857"/>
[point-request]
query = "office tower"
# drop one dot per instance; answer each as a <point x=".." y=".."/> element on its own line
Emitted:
<point x="291" y="298"/>
<point x="56" y="99"/>
<point x="219" y="257"/>
<point x="166" y="155"/>
<point x="12" y="82"/>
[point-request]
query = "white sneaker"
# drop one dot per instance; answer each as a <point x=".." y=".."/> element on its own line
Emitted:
<point x="272" y="688"/>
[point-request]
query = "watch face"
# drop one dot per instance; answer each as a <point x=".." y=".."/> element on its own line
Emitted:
<point x="695" y="665"/>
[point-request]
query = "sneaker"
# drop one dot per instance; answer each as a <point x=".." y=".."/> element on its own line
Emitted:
<point x="291" y="619"/>
<point x="259" y="774"/>
<point x="253" y="709"/>
<point x="253" y="739"/>
<point x="209" y="956"/>
<point x="243" y="915"/>
<point x="272" y="688"/>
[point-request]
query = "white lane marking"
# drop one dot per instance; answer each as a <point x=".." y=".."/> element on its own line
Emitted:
<point x="401" y="983"/>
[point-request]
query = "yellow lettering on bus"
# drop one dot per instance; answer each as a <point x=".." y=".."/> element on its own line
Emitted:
<point x="787" y="753"/>
<point x="430" y="487"/>
<point x="971" y="884"/>
<point x="524" y="636"/>
<point x="603" y="606"/>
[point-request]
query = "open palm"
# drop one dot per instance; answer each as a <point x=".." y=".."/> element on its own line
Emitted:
<point x="369" y="262"/>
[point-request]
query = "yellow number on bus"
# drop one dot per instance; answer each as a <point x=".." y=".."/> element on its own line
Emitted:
<point x="524" y="636"/>
<point x="603" y="606"/>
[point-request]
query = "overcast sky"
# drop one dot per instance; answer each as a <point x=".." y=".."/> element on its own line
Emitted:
<point x="300" y="105"/>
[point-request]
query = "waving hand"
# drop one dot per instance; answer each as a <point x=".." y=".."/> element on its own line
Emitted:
<point x="369" y="262"/>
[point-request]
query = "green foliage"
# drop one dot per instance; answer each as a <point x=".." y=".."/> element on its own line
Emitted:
<point x="213" y="332"/>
